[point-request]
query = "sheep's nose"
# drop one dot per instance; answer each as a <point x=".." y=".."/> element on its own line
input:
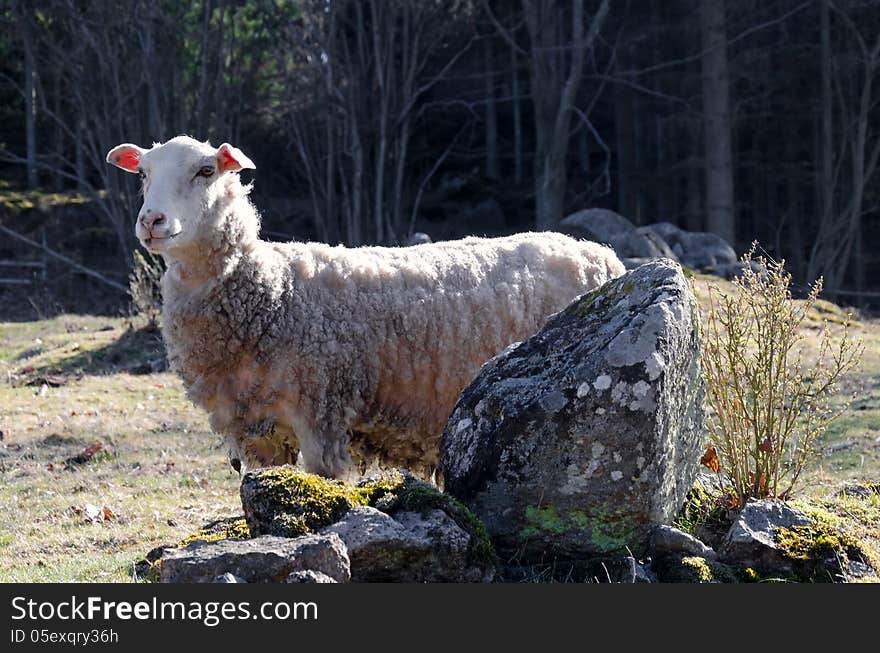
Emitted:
<point x="151" y="219"/>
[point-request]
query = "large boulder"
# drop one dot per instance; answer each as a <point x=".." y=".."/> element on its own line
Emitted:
<point x="266" y="559"/>
<point x="578" y="441"/>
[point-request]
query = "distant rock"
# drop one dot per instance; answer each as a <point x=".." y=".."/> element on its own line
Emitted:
<point x="418" y="238"/>
<point x="600" y="225"/>
<point x="265" y="559"/>
<point x="580" y="440"/>
<point x="608" y="227"/>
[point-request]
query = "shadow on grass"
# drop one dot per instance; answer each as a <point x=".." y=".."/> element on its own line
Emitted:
<point x="137" y="351"/>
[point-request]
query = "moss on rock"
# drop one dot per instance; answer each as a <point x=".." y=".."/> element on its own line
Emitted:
<point x="417" y="496"/>
<point x="696" y="569"/>
<point x="231" y="528"/>
<point x="287" y="502"/>
<point x="822" y="552"/>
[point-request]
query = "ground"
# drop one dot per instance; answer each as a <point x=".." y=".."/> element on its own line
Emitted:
<point x="160" y="471"/>
<point x="71" y="383"/>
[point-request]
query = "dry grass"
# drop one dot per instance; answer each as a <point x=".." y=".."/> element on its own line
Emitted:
<point x="161" y="471"/>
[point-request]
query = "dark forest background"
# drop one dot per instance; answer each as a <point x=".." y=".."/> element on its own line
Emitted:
<point x="372" y="119"/>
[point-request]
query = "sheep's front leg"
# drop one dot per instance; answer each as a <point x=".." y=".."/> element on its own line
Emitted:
<point x="325" y="451"/>
<point x="259" y="447"/>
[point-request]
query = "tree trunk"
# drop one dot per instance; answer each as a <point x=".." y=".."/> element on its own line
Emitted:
<point x="491" y="113"/>
<point x="517" y="118"/>
<point x="716" y="122"/>
<point x="30" y="99"/>
<point x="556" y="73"/>
<point x="624" y="130"/>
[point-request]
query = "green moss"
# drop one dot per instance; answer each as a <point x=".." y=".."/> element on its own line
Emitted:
<point x="748" y="575"/>
<point x="303" y="503"/>
<point x="607" y="292"/>
<point x="699" y="570"/>
<point x="543" y="520"/>
<point x="26" y="200"/>
<point x="608" y="531"/>
<point x="232" y="528"/>
<point x="823" y="549"/>
<point x="818" y="541"/>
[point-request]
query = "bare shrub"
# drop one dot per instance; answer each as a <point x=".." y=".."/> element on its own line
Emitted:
<point x="770" y="400"/>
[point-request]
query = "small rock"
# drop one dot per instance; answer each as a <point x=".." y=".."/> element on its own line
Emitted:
<point x="860" y="491"/>
<point x="309" y="576"/>
<point x="228" y="578"/>
<point x="262" y="559"/>
<point x="751" y="541"/>
<point x="409" y="547"/>
<point x="666" y="539"/>
<point x="637" y="572"/>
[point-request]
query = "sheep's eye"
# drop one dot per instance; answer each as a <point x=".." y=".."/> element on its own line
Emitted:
<point x="206" y="171"/>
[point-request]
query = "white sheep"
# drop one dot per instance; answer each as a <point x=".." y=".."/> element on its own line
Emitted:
<point x="348" y="357"/>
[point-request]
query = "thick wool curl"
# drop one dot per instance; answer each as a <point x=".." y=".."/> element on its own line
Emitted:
<point x="351" y="357"/>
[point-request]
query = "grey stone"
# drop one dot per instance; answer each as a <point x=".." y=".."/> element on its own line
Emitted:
<point x="666" y="539"/>
<point x="751" y="542"/>
<point x="408" y="547"/>
<point x="860" y="491"/>
<point x="228" y="578"/>
<point x="600" y="225"/>
<point x="309" y="576"/>
<point x="700" y="250"/>
<point x="633" y="263"/>
<point x="670" y="233"/>
<point x="262" y="559"/>
<point x="860" y="571"/>
<point x="418" y="238"/>
<point x="628" y="242"/>
<point x="608" y="227"/>
<point x="638" y="572"/>
<point x="616" y="450"/>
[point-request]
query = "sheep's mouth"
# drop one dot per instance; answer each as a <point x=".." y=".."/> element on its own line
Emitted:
<point x="151" y="240"/>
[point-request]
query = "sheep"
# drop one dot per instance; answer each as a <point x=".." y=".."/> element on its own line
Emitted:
<point x="337" y="358"/>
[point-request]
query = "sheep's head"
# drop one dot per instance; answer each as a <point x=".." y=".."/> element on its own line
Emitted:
<point x="182" y="180"/>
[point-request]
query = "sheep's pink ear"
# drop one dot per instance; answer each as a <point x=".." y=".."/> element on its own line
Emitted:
<point x="125" y="156"/>
<point x="232" y="159"/>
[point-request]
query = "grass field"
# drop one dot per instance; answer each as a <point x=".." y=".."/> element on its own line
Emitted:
<point x="71" y="510"/>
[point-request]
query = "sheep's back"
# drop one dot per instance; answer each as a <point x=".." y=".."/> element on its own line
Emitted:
<point x="411" y="326"/>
